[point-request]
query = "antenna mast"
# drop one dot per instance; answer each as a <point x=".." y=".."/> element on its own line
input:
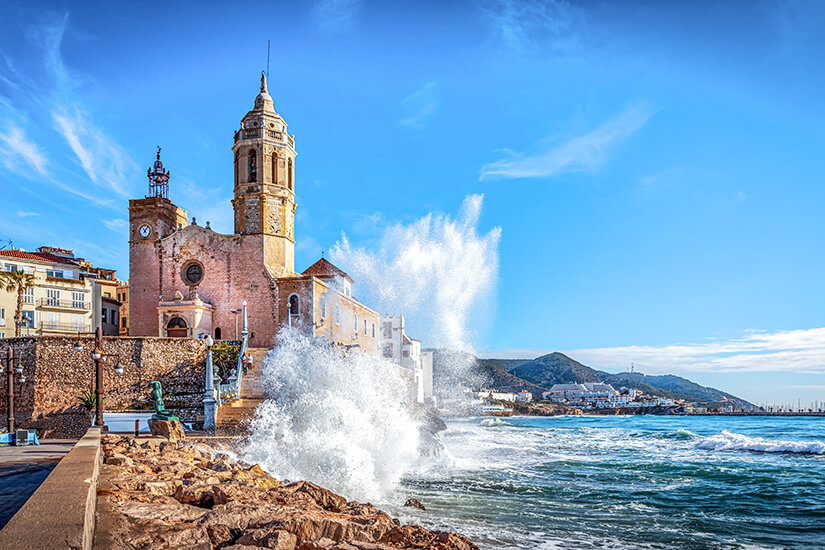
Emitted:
<point x="267" y="58"/>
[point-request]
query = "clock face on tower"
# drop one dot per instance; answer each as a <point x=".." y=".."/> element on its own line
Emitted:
<point x="144" y="231"/>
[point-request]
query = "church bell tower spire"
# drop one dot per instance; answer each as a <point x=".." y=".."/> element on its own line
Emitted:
<point x="264" y="203"/>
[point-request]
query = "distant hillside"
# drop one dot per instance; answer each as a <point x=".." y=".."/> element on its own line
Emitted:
<point x="557" y="368"/>
<point x="453" y="368"/>
<point x="506" y="364"/>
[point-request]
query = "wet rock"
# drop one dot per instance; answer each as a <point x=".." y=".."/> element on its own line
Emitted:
<point x="414" y="503"/>
<point x="202" y="496"/>
<point x="170" y="429"/>
<point x="269" y="538"/>
<point x="324" y="498"/>
<point x="117" y="459"/>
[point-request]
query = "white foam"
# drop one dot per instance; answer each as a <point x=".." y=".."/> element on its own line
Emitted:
<point x="488" y="422"/>
<point x="729" y="441"/>
<point x="334" y="418"/>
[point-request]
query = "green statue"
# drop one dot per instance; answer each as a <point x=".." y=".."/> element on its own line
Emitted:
<point x="160" y="408"/>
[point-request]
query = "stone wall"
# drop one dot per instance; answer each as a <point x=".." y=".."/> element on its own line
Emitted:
<point x="56" y="375"/>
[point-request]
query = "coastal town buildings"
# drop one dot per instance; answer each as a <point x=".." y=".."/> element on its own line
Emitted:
<point x="402" y="350"/>
<point x="490" y="394"/>
<point x="185" y="278"/>
<point x="599" y="395"/>
<point x="69" y="294"/>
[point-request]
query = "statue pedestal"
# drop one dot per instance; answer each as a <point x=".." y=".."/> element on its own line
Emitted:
<point x="210" y="413"/>
<point x="170" y="429"/>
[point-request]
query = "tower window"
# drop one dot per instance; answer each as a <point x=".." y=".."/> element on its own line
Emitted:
<point x="274" y="168"/>
<point x="294" y="304"/>
<point x="289" y="173"/>
<point x="253" y="166"/>
<point x="237" y="168"/>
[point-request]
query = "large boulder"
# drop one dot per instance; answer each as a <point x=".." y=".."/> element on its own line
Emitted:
<point x="170" y="429"/>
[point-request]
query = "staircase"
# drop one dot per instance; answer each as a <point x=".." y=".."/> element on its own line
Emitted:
<point x="238" y="413"/>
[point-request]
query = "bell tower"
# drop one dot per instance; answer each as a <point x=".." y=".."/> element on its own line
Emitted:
<point x="264" y="200"/>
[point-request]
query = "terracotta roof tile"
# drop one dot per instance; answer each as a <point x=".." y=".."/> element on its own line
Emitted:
<point x="37" y="256"/>
<point x="323" y="268"/>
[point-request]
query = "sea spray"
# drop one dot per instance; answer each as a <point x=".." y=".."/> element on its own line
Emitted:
<point x="439" y="271"/>
<point x="334" y="418"/>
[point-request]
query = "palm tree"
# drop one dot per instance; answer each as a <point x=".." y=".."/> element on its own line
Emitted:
<point x="16" y="281"/>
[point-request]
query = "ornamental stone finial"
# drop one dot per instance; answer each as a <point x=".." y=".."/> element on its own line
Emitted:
<point x="263" y="83"/>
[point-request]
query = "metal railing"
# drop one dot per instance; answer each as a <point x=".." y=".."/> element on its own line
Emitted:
<point x="63" y="304"/>
<point x="232" y="389"/>
<point x="64" y="327"/>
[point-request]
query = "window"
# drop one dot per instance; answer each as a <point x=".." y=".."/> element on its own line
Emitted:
<point x="289" y="174"/>
<point x="53" y="320"/>
<point x="365" y="327"/>
<point x="27" y="319"/>
<point x="78" y="322"/>
<point x="123" y="322"/>
<point x="192" y="273"/>
<point x="337" y="314"/>
<point x="323" y="307"/>
<point x="237" y="168"/>
<point x="355" y="323"/>
<point x="114" y="317"/>
<point x="2" y="334"/>
<point x="54" y="273"/>
<point x="387" y="351"/>
<point x="294" y="304"/>
<point x="52" y="297"/>
<point x="11" y="267"/>
<point x="2" y="316"/>
<point x="274" y="168"/>
<point x="103" y="317"/>
<point x="373" y="330"/>
<point x="78" y="300"/>
<point x="28" y="296"/>
<point x="253" y="166"/>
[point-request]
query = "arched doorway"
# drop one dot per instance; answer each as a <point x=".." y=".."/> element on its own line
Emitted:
<point x="218" y="333"/>
<point x="176" y="328"/>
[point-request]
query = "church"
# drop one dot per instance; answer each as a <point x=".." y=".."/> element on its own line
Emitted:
<point x="189" y="281"/>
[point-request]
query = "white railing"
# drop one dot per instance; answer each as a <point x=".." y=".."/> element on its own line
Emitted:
<point x="232" y="389"/>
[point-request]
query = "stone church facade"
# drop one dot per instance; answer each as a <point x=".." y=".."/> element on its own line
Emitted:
<point x="186" y="280"/>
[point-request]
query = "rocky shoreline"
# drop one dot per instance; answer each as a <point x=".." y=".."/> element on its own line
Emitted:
<point x="158" y="494"/>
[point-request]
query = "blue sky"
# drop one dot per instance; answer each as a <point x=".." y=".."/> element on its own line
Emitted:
<point x="655" y="168"/>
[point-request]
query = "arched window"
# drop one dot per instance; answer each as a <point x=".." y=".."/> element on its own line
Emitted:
<point x="290" y="175"/>
<point x="218" y="333"/>
<point x="176" y="322"/>
<point x="253" y="166"/>
<point x="337" y="314"/>
<point x="373" y="330"/>
<point x="274" y="168"/>
<point x="294" y="304"/>
<point x="365" y="327"/>
<point x="355" y="323"/>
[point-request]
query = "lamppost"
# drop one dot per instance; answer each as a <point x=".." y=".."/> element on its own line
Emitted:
<point x="98" y="356"/>
<point x="11" y="371"/>
<point x="209" y="409"/>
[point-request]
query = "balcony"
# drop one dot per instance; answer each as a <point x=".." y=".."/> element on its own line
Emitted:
<point x="74" y="305"/>
<point x="66" y="328"/>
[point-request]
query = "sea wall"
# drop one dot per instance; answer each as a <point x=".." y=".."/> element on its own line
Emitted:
<point x="57" y="374"/>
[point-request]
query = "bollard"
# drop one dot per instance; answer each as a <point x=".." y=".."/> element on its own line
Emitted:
<point x="137" y="427"/>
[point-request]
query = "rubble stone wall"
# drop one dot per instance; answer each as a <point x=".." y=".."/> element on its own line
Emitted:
<point x="56" y="374"/>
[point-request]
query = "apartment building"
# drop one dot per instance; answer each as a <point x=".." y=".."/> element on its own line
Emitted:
<point x="66" y="298"/>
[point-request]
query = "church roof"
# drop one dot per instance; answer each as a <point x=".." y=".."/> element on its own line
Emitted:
<point x="323" y="268"/>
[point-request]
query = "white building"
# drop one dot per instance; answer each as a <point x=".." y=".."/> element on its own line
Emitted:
<point x="493" y="395"/>
<point x="427" y="372"/>
<point x="402" y="350"/>
<point x="524" y="397"/>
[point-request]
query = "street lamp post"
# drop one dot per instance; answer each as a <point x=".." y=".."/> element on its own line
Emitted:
<point x="236" y="311"/>
<point x="98" y="355"/>
<point x="209" y="409"/>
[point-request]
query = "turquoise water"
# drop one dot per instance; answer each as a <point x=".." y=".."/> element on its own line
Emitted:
<point x="629" y="482"/>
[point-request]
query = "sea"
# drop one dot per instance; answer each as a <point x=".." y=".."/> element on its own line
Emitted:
<point x="617" y="482"/>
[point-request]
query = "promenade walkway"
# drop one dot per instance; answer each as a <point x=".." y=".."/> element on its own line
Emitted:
<point x="236" y="414"/>
<point x="23" y="469"/>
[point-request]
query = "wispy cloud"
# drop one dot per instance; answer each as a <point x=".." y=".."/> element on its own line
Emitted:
<point x="103" y="159"/>
<point x="531" y="24"/>
<point x="336" y="14"/>
<point x="22" y="214"/>
<point x="117" y="224"/>
<point x="19" y="154"/>
<point x="420" y="105"/>
<point x="800" y="351"/>
<point x="585" y="153"/>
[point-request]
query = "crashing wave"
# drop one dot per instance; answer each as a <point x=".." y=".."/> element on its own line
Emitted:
<point x="729" y="441"/>
<point x="488" y="422"/>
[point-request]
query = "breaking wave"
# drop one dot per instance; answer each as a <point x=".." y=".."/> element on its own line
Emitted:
<point x="489" y="422"/>
<point x="729" y="441"/>
<point x="337" y="419"/>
